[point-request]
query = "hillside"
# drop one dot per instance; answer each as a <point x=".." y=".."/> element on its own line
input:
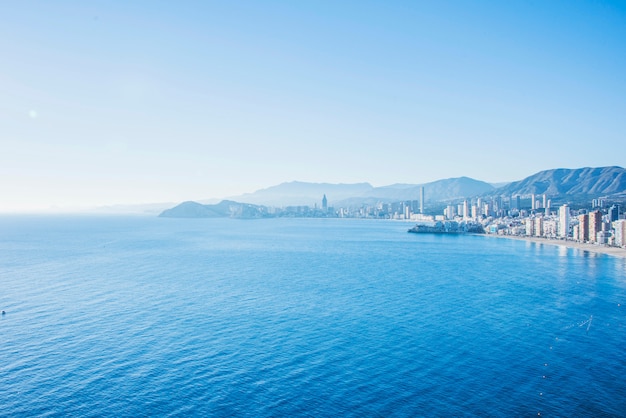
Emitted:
<point x="598" y="181"/>
<point x="298" y="193"/>
<point x="301" y="193"/>
<point x="224" y="209"/>
<point x="581" y="183"/>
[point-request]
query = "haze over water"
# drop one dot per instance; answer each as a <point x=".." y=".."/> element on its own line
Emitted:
<point x="133" y="316"/>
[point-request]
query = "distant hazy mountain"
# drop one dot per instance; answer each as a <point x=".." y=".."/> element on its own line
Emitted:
<point x="456" y="188"/>
<point x="301" y="193"/>
<point x="298" y="193"/>
<point x="597" y="181"/>
<point x="600" y="181"/>
<point x="224" y="209"/>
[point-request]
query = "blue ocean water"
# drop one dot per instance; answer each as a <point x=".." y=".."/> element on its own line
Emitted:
<point x="138" y="316"/>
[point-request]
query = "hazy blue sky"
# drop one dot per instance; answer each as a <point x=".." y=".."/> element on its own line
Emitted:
<point x="147" y="101"/>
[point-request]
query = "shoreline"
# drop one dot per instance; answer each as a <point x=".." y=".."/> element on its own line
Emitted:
<point x="599" y="249"/>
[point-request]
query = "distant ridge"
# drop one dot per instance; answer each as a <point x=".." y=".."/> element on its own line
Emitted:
<point x="589" y="181"/>
<point x="298" y="193"/>
<point x="580" y="183"/>
<point x="224" y="209"/>
<point x="301" y="193"/>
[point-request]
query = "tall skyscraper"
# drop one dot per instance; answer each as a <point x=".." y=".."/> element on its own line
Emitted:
<point x="324" y="203"/>
<point x="422" y="199"/>
<point x="545" y="200"/>
<point x="533" y="202"/>
<point x="564" y="221"/>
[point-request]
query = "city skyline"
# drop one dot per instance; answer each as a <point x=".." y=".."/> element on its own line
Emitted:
<point x="156" y="102"/>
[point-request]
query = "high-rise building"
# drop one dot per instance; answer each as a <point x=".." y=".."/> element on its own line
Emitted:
<point x="620" y="232"/>
<point x="614" y="213"/>
<point x="595" y="225"/>
<point x="564" y="221"/>
<point x="583" y="228"/>
<point x="422" y="199"/>
<point x="487" y="209"/>
<point x="539" y="226"/>
<point x="450" y="212"/>
<point x="533" y="202"/>
<point x="545" y="201"/>
<point x="466" y="213"/>
<point x="324" y="203"/>
<point x="530" y="227"/>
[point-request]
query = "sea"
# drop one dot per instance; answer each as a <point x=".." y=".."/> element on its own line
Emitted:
<point x="136" y="316"/>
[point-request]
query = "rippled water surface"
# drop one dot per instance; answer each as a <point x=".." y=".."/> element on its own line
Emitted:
<point x="135" y="316"/>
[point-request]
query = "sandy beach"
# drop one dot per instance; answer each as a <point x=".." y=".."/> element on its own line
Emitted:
<point x="601" y="249"/>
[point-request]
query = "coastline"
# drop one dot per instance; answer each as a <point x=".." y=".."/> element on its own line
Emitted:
<point x="600" y="249"/>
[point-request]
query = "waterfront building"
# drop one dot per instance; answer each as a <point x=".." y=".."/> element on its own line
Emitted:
<point x="583" y="228"/>
<point x="564" y="221"/>
<point x="422" y="200"/>
<point x="466" y="213"/>
<point x="450" y="212"/>
<point x="549" y="228"/>
<point x="619" y="227"/>
<point x="533" y="202"/>
<point x="545" y="201"/>
<point x="602" y="237"/>
<point x="595" y="225"/>
<point x="324" y="203"/>
<point x="538" y="227"/>
<point x="530" y="227"/>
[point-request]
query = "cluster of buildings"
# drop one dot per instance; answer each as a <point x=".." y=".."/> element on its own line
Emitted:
<point x="533" y="216"/>
<point x="598" y="224"/>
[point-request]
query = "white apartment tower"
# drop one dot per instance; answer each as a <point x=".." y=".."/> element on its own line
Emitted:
<point x="564" y="221"/>
<point x="620" y="232"/>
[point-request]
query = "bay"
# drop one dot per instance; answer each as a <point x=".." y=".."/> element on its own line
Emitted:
<point x="138" y="316"/>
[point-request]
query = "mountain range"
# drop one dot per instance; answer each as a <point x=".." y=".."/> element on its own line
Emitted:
<point x="581" y="183"/>
<point x="299" y="193"/>
<point x="599" y="181"/>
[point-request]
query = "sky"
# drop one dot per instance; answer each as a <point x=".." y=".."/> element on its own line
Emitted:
<point x="124" y="102"/>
